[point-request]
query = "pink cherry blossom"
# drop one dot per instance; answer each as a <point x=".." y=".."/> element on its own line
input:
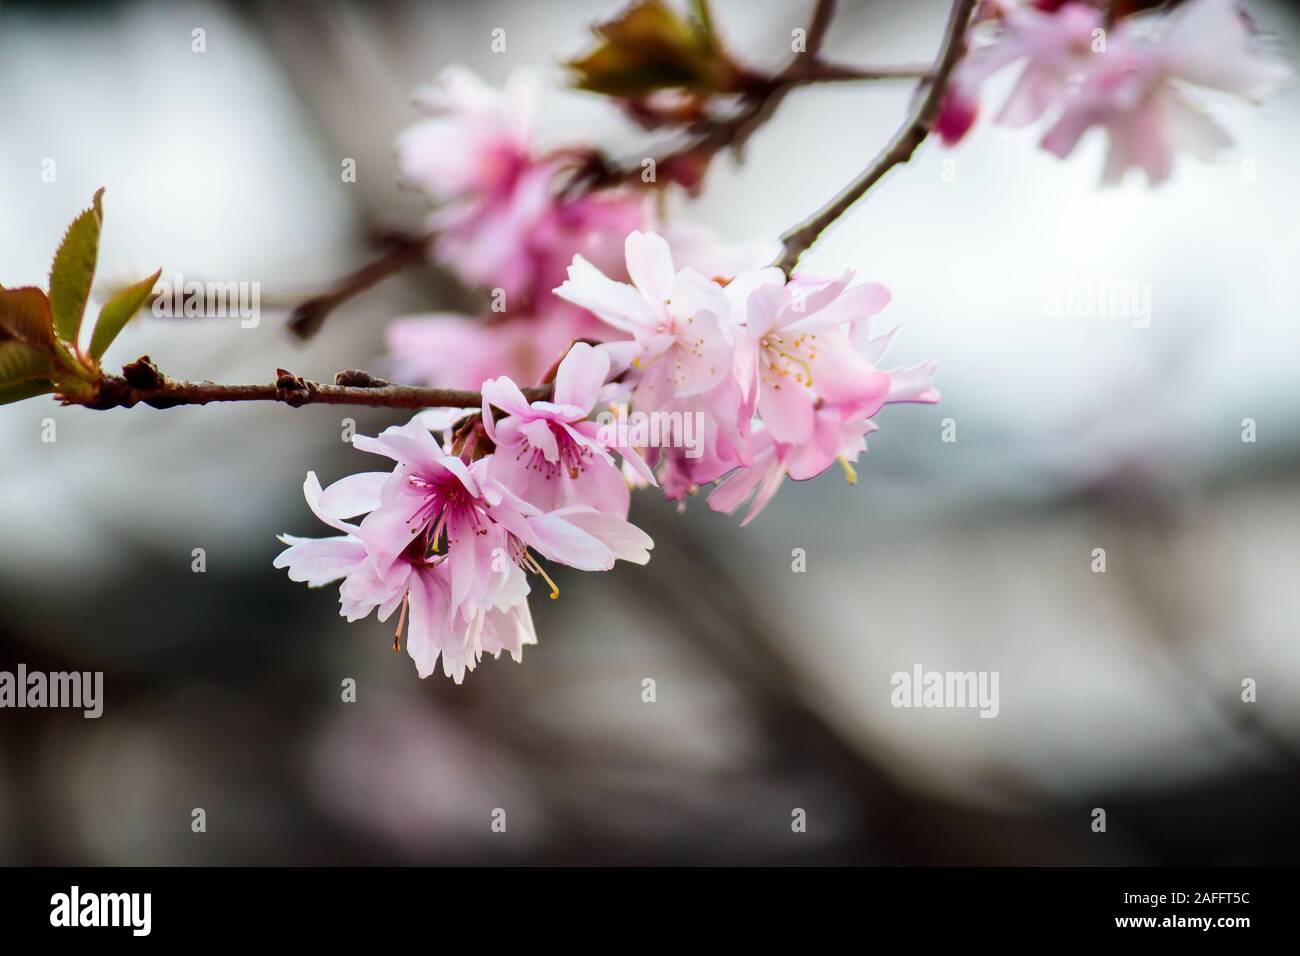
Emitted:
<point x="678" y="319"/>
<point x="549" y="451"/>
<point x="457" y="351"/>
<point x="501" y="221"/>
<point x="1131" y="81"/>
<point x="768" y="367"/>
<point x="421" y="588"/>
<point x="1137" y="90"/>
<point x="474" y="144"/>
<point x="449" y="543"/>
<point x="1052" y="46"/>
<point x="681" y="361"/>
<point x="798" y="353"/>
<point x="837" y="431"/>
<point x="434" y="501"/>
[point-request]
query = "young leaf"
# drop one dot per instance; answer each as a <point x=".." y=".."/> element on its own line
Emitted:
<point x="20" y="390"/>
<point x="74" y="270"/>
<point x="25" y="316"/>
<point x="20" y="362"/>
<point x="648" y="47"/>
<point x="117" y="311"/>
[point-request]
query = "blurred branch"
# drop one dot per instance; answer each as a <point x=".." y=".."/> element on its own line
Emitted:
<point x="404" y="250"/>
<point x="745" y="641"/>
<point x="797" y="240"/>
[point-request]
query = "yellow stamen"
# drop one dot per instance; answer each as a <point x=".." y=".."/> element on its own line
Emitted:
<point x="401" y="622"/>
<point x="532" y="562"/>
<point x="850" y="475"/>
<point x="807" y="368"/>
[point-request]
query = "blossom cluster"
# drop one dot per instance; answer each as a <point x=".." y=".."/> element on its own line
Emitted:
<point x="505" y="221"/>
<point x="746" y="376"/>
<point x="452" y="532"/>
<point x="781" y="373"/>
<point x="1132" y="79"/>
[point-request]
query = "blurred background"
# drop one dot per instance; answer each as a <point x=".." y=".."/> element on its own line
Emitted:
<point x="1119" y="690"/>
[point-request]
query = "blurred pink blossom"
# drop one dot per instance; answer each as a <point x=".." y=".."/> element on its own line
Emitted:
<point x="1132" y="81"/>
<point x="500" y="218"/>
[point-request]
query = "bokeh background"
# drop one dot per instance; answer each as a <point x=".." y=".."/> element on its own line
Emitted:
<point x="1118" y="690"/>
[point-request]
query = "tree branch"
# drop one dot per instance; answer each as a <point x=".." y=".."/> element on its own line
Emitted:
<point x="404" y="250"/>
<point x="712" y="136"/>
<point x="709" y="137"/>
<point x="797" y="240"/>
<point x="141" y="383"/>
<point x="823" y="71"/>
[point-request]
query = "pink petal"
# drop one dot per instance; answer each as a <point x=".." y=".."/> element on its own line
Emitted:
<point x="580" y="376"/>
<point x="615" y="303"/>
<point x="624" y="539"/>
<point x="913" y="384"/>
<point x="505" y="395"/>
<point x="853" y="306"/>
<point x="541" y="438"/>
<point x="353" y="495"/>
<point x="318" y="561"/>
<point x="787" y="411"/>
<point x="427" y="621"/>
<point x="562" y="541"/>
<point x="650" y="266"/>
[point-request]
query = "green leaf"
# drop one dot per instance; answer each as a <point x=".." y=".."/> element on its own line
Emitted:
<point x="20" y="390"/>
<point x="25" y="316"/>
<point x="117" y="311"/>
<point x="20" y="362"/>
<point x="648" y="47"/>
<point x="700" y="10"/>
<point x="74" y="270"/>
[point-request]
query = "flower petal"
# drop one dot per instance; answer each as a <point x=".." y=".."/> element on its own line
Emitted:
<point x="580" y="376"/>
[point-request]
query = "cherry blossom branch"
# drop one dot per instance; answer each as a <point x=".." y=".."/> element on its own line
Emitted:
<point x="710" y="137"/>
<point x="796" y="241"/>
<point x="141" y="383"/>
<point x="825" y="71"/>
<point x="757" y="104"/>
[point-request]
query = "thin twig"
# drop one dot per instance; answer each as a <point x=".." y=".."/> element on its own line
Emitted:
<point x="797" y="240"/>
<point x="822" y="71"/>
<point x="143" y="384"/>
<point x="306" y="320"/>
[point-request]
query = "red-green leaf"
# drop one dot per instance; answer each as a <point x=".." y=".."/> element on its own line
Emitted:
<point x="74" y="271"/>
<point x="650" y="46"/>
<point x="25" y="316"/>
<point x="20" y="390"/>
<point x="20" y="362"/>
<point x="117" y="311"/>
